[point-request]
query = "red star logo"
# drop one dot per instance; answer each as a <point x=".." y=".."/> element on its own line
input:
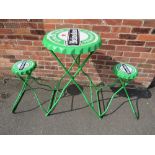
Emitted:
<point x="63" y="35"/>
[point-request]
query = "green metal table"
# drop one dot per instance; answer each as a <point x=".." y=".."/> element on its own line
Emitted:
<point x="73" y="42"/>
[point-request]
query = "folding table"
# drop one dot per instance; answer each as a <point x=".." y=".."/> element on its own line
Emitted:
<point x="73" y="42"/>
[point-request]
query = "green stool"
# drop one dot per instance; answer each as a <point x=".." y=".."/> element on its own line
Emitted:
<point x="125" y="73"/>
<point x="23" y="70"/>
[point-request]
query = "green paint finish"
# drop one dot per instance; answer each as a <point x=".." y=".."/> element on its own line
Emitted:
<point x="125" y="71"/>
<point x="28" y="68"/>
<point x="56" y="41"/>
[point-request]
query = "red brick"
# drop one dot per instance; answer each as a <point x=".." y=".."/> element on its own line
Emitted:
<point x="28" y="25"/>
<point x="149" y="23"/>
<point x="111" y="62"/>
<point x="151" y="71"/>
<point x="34" y="48"/>
<point x="121" y="29"/>
<point x="42" y="53"/>
<point x="2" y="36"/>
<point x="132" y="22"/>
<point x="115" y="53"/>
<point x="136" y="43"/>
<point x="131" y="54"/>
<point x="36" y="20"/>
<point x="40" y="26"/>
<point x="59" y="26"/>
<point x="32" y="25"/>
<point x="87" y="27"/>
<point x="6" y="46"/>
<point x="20" y="47"/>
<point x="21" y="57"/>
<point x="101" y="28"/>
<point x="150" y="44"/>
<point x="14" y="36"/>
<point x="53" y="21"/>
<point x="101" y="57"/>
<point x="4" y="20"/>
<point x="1" y="25"/>
<point x="117" y="42"/>
<point x="108" y="47"/>
<point x="27" y="52"/>
<point x="12" y="25"/>
<point x="151" y="61"/>
<point x="127" y="36"/>
<point x="5" y="31"/>
<point x="148" y="55"/>
<point x="145" y="66"/>
<point x="13" y="52"/>
<point x="140" y="30"/>
<point x="124" y="59"/>
<point x="92" y="21"/>
<point x="124" y="48"/>
<point x="109" y="35"/>
<point x="49" y="26"/>
<point x="144" y="37"/>
<point x="37" y="43"/>
<point x="37" y="57"/>
<point x="24" y="25"/>
<point x="37" y="32"/>
<point x="21" y="31"/>
<point x="151" y="56"/>
<point x="23" y="42"/>
<point x="9" y="56"/>
<point x="30" y="37"/>
<point x="138" y="60"/>
<point x="73" y="21"/>
<point x="142" y="49"/>
<point x="113" y="21"/>
<point x="153" y="50"/>
<point x="17" y="20"/>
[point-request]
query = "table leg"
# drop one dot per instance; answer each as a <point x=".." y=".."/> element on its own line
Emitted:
<point x="67" y="72"/>
<point x="91" y="84"/>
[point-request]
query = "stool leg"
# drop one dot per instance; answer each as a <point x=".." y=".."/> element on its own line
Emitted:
<point x="131" y="104"/>
<point x="110" y="101"/>
<point x="129" y="100"/>
<point x="20" y="95"/>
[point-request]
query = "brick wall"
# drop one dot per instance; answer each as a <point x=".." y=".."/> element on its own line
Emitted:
<point x="130" y="41"/>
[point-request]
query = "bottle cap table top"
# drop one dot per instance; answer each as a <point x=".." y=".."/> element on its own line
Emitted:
<point x="72" y="41"/>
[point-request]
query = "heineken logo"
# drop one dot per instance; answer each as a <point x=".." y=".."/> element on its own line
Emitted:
<point x="23" y="65"/>
<point x="126" y="68"/>
<point x="73" y="37"/>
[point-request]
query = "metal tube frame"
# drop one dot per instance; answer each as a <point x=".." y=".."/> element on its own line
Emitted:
<point x="23" y="90"/>
<point x="56" y="94"/>
<point x="98" y="112"/>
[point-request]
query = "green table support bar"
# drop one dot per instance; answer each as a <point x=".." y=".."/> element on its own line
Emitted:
<point x="67" y="72"/>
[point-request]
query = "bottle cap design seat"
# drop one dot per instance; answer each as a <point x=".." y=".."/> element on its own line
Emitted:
<point x="125" y="71"/>
<point x="23" y="67"/>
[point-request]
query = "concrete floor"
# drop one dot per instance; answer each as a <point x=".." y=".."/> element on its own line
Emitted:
<point x="72" y="116"/>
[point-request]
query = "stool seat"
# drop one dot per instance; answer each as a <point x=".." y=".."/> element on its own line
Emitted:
<point x="23" y="67"/>
<point x="125" y="71"/>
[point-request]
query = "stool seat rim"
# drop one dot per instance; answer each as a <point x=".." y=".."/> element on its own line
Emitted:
<point x="118" y="71"/>
<point x="31" y="65"/>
